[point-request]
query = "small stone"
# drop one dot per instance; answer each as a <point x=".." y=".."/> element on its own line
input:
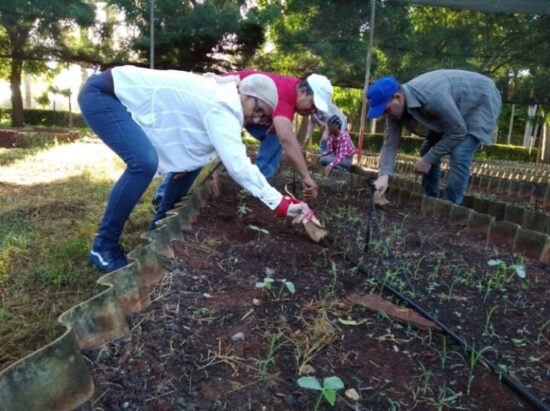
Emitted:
<point x="238" y="337"/>
<point x="352" y="394"/>
<point x="396" y="348"/>
<point x="290" y="400"/>
<point x="206" y="295"/>
<point x="269" y="272"/>
<point x="255" y="301"/>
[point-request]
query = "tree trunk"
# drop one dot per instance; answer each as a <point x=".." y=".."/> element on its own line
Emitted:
<point x="17" y="117"/>
<point x="531" y="111"/>
<point x="511" y="125"/>
<point x="28" y="91"/>
<point x="545" y="149"/>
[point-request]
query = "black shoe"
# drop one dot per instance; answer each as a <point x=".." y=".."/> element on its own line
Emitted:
<point x="107" y="260"/>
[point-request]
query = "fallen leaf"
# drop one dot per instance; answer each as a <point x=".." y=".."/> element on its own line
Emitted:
<point x="376" y="303"/>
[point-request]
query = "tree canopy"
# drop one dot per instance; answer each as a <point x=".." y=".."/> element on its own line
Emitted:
<point x="330" y="36"/>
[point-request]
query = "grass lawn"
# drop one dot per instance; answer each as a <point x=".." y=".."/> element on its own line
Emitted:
<point x="51" y="202"/>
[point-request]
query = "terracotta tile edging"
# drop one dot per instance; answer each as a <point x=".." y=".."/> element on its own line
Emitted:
<point x="56" y="376"/>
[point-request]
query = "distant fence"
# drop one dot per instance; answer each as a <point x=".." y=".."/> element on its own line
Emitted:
<point x="411" y="145"/>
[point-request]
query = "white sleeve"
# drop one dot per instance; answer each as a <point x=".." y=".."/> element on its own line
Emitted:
<point x="224" y="130"/>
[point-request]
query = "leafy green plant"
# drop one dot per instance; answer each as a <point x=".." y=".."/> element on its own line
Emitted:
<point x="328" y="390"/>
<point x="267" y="284"/>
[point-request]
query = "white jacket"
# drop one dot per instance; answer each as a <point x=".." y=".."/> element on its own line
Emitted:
<point x="190" y="120"/>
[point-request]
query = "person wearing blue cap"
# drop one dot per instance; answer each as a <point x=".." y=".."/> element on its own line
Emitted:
<point x="456" y="110"/>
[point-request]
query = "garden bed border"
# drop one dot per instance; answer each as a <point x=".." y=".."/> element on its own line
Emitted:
<point x="56" y="376"/>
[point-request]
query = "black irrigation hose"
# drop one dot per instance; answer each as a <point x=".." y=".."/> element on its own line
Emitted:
<point x="510" y="381"/>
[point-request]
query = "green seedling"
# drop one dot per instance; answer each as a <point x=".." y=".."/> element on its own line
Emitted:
<point x="274" y="346"/>
<point x="259" y="230"/>
<point x="267" y="284"/>
<point x="443" y="355"/>
<point x="474" y="358"/>
<point x="243" y="210"/>
<point x="328" y="390"/>
<point x="329" y="290"/>
<point x="517" y="269"/>
<point x="488" y="324"/>
<point x="540" y="334"/>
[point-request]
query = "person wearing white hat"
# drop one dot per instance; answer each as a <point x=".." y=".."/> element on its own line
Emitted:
<point x="309" y="96"/>
<point x="304" y="97"/>
<point x="175" y="122"/>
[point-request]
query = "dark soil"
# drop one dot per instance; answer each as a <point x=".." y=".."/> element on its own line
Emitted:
<point x="212" y="340"/>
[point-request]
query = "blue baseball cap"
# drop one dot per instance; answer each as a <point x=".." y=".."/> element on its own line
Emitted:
<point x="380" y="94"/>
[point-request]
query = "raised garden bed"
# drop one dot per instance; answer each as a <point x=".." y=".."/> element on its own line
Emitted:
<point x="27" y="137"/>
<point x="212" y="339"/>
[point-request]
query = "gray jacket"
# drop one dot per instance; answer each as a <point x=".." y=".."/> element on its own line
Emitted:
<point x="449" y="104"/>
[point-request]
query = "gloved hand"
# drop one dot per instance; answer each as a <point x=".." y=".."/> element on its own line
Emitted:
<point x="296" y="209"/>
<point x="300" y="212"/>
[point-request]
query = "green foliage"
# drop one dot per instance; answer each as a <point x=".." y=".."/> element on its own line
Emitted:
<point x="37" y="31"/>
<point x="192" y="35"/>
<point x="330" y="37"/>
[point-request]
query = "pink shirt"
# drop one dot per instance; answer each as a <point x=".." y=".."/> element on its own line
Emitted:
<point x="340" y="146"/>
<point x="286" y="88"/>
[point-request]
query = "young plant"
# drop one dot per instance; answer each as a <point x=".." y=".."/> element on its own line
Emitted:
<point x="259" y="230"/>
<point x="474" y="358"/>
<point x="328" y="390"/>
<point x="267" y="284"/>
<point x="540" y="334"/>
<point x="489" y="330"/>
<point x="329" y="290"/>
<point x="274" y="346"/>
<point x="243" y="210"/>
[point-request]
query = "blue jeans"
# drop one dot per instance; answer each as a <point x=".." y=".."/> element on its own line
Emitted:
<point x="112" y="122"/>
<point x="344" y="165"/>
<point x="270" y="152"/>
<point x="459" y="170"/>
<point x="174" y="187"/>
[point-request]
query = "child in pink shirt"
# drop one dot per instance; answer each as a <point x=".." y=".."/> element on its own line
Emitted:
<point x="340" y="149"/>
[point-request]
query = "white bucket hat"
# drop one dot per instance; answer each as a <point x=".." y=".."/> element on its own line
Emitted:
<point x="322" y="91"/>
<point x="262" y="87"/>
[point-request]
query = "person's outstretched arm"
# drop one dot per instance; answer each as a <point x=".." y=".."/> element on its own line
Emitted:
<point x="289" y="142"/>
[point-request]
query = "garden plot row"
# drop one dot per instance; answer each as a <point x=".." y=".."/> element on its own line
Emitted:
<point x="529" y="219"/>
<point x="250" y="306"/>
<point x="518" y="229"/>
<point x="401" y="366"/>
